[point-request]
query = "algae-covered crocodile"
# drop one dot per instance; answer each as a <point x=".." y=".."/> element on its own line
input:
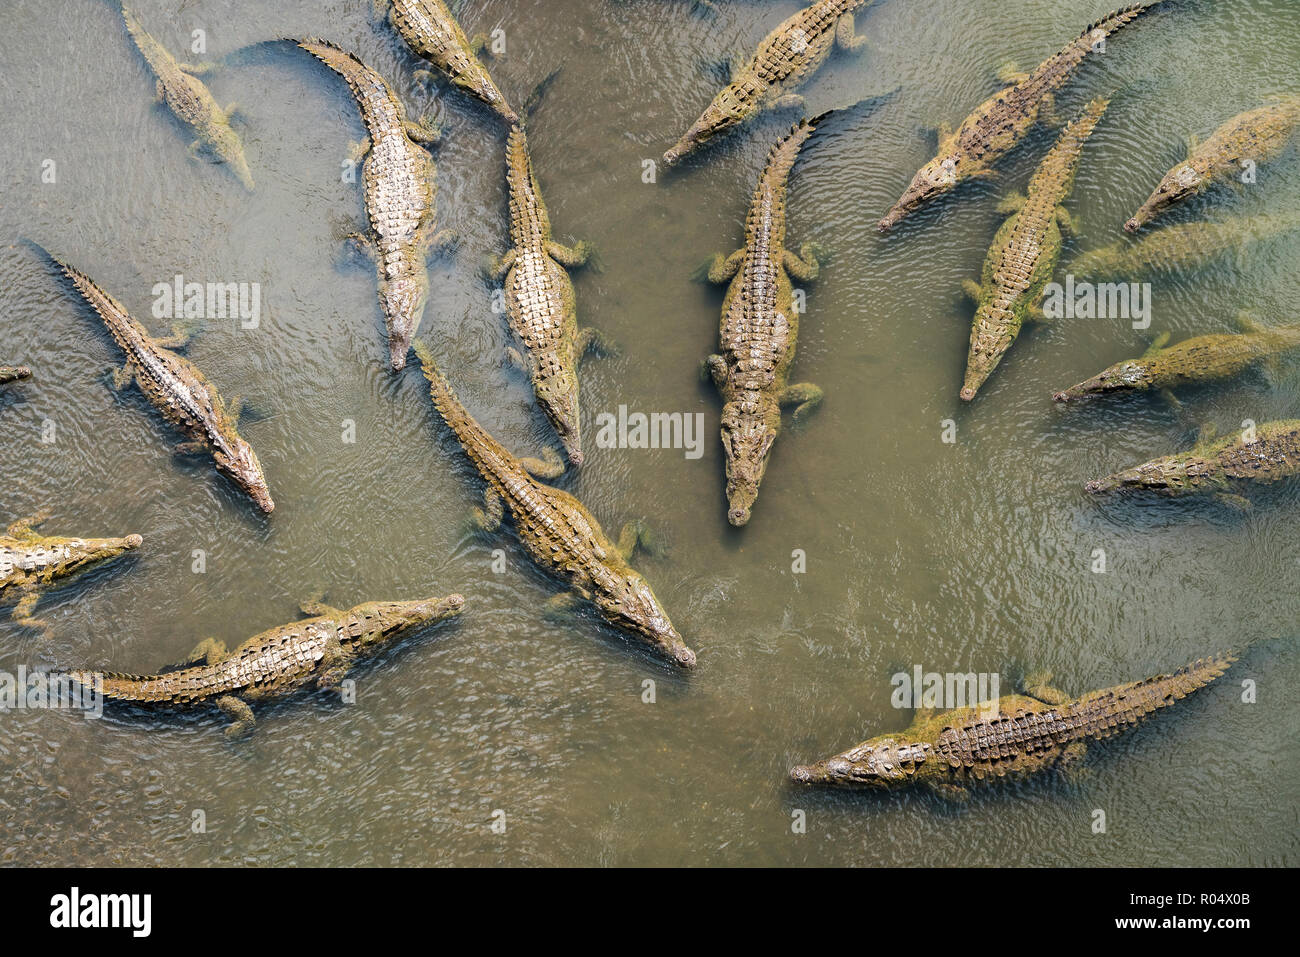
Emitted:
<point x="191" y="101"/>
<point x="1222" y="468"/>
<point x="759" y="330"/>
<point x="400" y="195"/>
<point x="1024" y="253"/>
<point x="1256" y="136"/>
<point x="786" y="58"/>
<point x="177" y="388"/>
<point x="1181" y="246"/>
<point x="317" y="652"/>
<point x="14" y="373"/>
<point x="1199" y="360"/>
<point x="32" y="564"/>
<point x="1025" y="734"/>
<point x="557" y="531"/>
<point x="540" y="303"/>
<point x="431" y="31"/>
<point x="998" y="124"/>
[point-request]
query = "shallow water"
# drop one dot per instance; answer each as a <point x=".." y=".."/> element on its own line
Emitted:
<point x="973" y="556"/>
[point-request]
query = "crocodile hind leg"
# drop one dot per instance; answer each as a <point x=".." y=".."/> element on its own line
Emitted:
<point x="208" y="651"/>
<point x="1070" y="763"/>
<point x="546" y="468"/>
<point x="314" y="606"/>
<point x="846" y="37"/>
<point x="122" y="378"/>
<point x="805" y="397"/>
<point x="591" y="339"/>
<point x="197" y="69"/>
<point x="633" y="535"/>
<point x="488" y="518"/>
<point x="24" y="529"/>
<point x="714" y="368"/>
<point x="1038" y="685"/>
<point x="721" y="269"/>
<point x="425" y="132"/>
<point x="496" y="269"/>
<point x="241" y="715"/>
<point x="571" y="257"/>
<point x="22" y="613"/>
<point x="194" y="447"/>
<point x="949" y="791"/>
<point x="803" y="269"/>
<point x="443" y="241"/>
<point x="559" y="609"/>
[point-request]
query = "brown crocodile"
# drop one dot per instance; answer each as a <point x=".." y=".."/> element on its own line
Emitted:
<point x="1001" y="122"/>
<point x="186" y="96"/>
<point x="1257" y="136"/>
<point x="1024" y="254"/>
<point x="32" y="564"/>
<point x="540" y="303"/>
<point x="317" y="652"/>
<point x="1027" y="734"/>
<point x="177" y="388"/>
<point x="431" y="31"/>
<point x="1222" y="468"/>
<point x="557" y="531"/>
<point x="784" y="61"/>
<point x="760" y="328"/>
<point x="1199" y="360"/>
<point x="14" y="373"/>
<point x="400" y="196"/>
<point x="1181" y="246"/>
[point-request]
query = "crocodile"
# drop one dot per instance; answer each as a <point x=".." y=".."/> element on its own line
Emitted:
<point x="31" y="564"/>
<point x="400" y="195"/>
<point x="787" y="58"/>
<point x="1181" y="246"/>
<point x="1001" y="122"/>
<point x="1024" y="253"/>
<point x="1202" y="359"/>
<point x="1222" y="468"/>
<point x="1025" y="734"/>
<point x="191" y="101"/>
<point x="759" y="329"/>
<point x="1256" y="136"/>
<point x="316" y="652"/>
<point x="431" y="31"/>
<point x="14" y="373"/>
<point x="540" y="303"/>
<point x="177" y="388"/>
<point x="557" y="531"/>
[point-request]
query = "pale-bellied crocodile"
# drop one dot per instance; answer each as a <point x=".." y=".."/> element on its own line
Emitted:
<point x="400" y="196"/>
<point x="759" y="330"/>
<point x="32" y="564"/>
<point x="557" y="531"/>
<point x="999" y="123"/>
<point x="1025" y="734"/>
<point x="317" y="652"/>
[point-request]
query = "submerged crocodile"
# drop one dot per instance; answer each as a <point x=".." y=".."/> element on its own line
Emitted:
<point x="1223" y="468"/>
<point x="786" y="58"/>
<point x="317" y="652"/>
<point x="431" y="31"/>
<point x="32" y="564"/>
<point x="1027" y="734"/>
<point x="400" y="195"/>
<point x="1256" y="136"/>
<point x="177" y="388"/>
<point x="1000" y="123"/>
<point x="540" y="303"/>
<point x="1198" y="360"/>
<point x="557" y="531"/>
<point x="759" y="330"/>
<point x="1024" y="253"/>
<point x="1181" y="246"/>
<point x="181" y="89"/>
<point x="14" y="373"/>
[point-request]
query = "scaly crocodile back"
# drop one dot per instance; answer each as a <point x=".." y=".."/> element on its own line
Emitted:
<point x="782" y="52"/>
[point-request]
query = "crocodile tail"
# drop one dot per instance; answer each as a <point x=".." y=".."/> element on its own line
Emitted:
<point x="114" y="315"/>
<point x="783" y="154"/>
<point x="1113" y="710"/>
<point x="116" y="686"/>
<point x="332" y="55"/>
<point x="1057" y="170"/>
<point x="468" y="431"/>
<point x="1122" y="17"/>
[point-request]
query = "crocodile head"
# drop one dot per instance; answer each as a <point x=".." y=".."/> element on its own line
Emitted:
<point x="226" y="144"/>
<point x="628" y="604"/>
<point x="558" y="397"/>
<point x="239" y="461"/>
<point x="385" y="620"/>
<point x="932" y="180"/>
<point x="1178" y="185"/>
<point x="1172" y="475"/>
<point x="717" y="118"/>
<point x="1130" y="376"/>
<point x="991" y="335"/>
<point x="749" y="427"/>
<point x="83" y="553"/>
<point x="403" y="300"/>
<point x="878" y="763"/>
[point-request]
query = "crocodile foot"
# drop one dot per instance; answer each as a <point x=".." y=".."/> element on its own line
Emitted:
<point x="241" y="714"/>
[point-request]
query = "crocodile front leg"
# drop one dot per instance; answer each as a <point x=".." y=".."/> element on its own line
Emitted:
<point x="633" y="535"/>
<point x="497" y="268"/>
<point x="548" y="467"/>
<point x="22" y="613"/>
<point x="950" y="791"/>
<point x="333" y="666"/>
<point x="193" y="447"/>
<point x="560" y="609"/>
<point x="488" y="518"/>
<point x="721" y="269"/>
<point x="24" y="529"/>
<point x="241" y="715"/>
<point x="846" y="37"/>
<point x="715" y="369"/>
<point x="208" y="651"/>
<point x="570" y="257"/>
<point x="315" y="607"/>
<point x="591" y="339"/>
<point x="357" y="151"/>
<point x="805" y="397"/>
<point x="1070" y="763"/>
<point x="424" y="132"/>
<point x="805" y="269"/>
<point x="123" y="377"/>
<point x="789" y="101"/>
<point x="1039" y="686"/>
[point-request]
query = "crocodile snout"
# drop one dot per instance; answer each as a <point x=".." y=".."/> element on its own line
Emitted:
<point x="738" y="516"/>
<point x="134" y="541"/>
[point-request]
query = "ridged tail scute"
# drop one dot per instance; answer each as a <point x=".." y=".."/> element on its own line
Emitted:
<point x="1115" y="709"/>
<point x="1122" y="17"/>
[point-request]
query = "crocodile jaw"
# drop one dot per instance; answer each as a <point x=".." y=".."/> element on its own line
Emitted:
<point x="749" y="428"/>
<point x="1123" y="377"/>
<point x="1174" y="188"/>
<point x="246" y="471"/>
<point x="633" y="607"/>
<point x="872" y="764"/>
<point x="558" y="397"/>
<point x="713" y="121"/>
<point x="393" y="618"/>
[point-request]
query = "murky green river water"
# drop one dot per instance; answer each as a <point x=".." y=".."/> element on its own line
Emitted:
<point x="968" y="556"/>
